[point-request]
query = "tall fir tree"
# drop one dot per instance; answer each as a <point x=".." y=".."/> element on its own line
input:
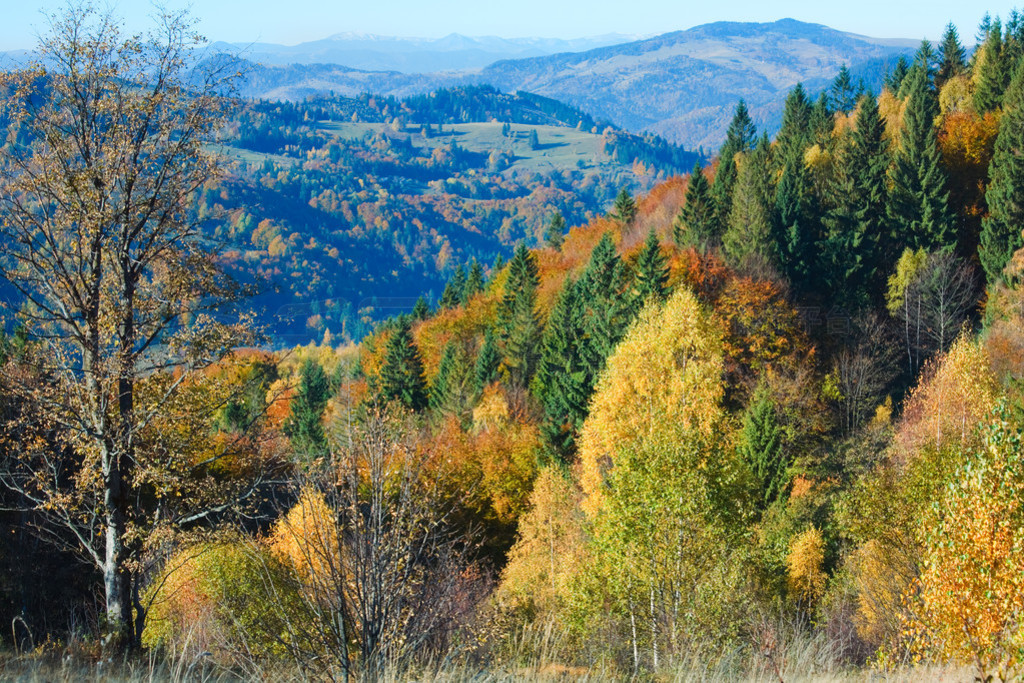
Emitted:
<point x="750" y="234"/>
<point x="1001" y="229"/>
<point x="918" y="205"/>
<point x="522" y="273"/>
<point x="452" y="295"/>
<point x="695" y="225"/>
<point x="822" y="121"/>
<point x="651" y="270"/>
<point x="992" y="71"/>
<point x="762" y="448"/>
<point x="609" y="308"/>
<point x="867" y="164"/>
<point x="304" y="424"/>
<point x="401" y="374"/>
<point x="843" y="93"/>
<point x="624" y="209"/>
<point x="795" y="225"/>
<point x="953" y="57"/>
<point x="421" y="309"/>
<point x="447" y="392"/>
<point x="488" y="360"/>
<point x="554" y="233"/>
<point x="894" y="79"/>
<point x="474" y="282"/>
<point x="562" y="383"/>
<point x="795" y="134"/>
<point x="739" y="138"/>
<point x="520" y="328"/>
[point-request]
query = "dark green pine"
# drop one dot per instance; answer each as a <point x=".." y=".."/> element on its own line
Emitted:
<point x="485" y="370"/>
<point x="421" y="310"/>
<point x="452" y="295"/>
<point x="953" y="59"/>
<point x="995" y="72"/>
<point x="447" y="389"/>
<point x="761" y="448"/>
<point x="739" y="138"/>
<point x="522" y="273"/>
<point x="868" y="166"/>
<point x="894" y="79"/>
<point x="562" y="381"/>
<point x="918" y="206"/>
<point x="303" y="426"/>
<point x="1001" y="229"/>
<point x="695" y="226"/>
<point x="795" y="134"/>
<point x="401" y="375"/>
<point x="843" y="93"/>
<point x="474" y="281"/>
<point x="794" y="225"/>
<point x="651" y="270"/>
<point x="822" y="121"/>
<point x="554" y="233"/>
<point x="609" y="308"/>
<point x="624" y="209"/>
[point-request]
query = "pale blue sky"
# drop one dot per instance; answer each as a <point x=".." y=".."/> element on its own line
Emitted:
<point x="294" y="21"/>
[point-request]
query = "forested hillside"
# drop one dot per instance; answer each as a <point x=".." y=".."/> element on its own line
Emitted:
<point x="344" y="210"/>
<point x="764" y="421"/>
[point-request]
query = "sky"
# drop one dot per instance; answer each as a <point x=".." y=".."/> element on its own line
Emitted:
<point x="294" y="21"/>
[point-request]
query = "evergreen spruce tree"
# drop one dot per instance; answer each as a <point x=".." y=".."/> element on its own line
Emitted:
<point x="517" y="317"/>
<point x="867" y="164"/>
<point x="761" y="448"/>
<point x="562" y="383"/>
<point x="304" y="426"/>
<point x="421" y="310"/>
<point x="1001" y="229"/>
<point x="554" y="234"/>
<point x="795" y="134"/>
<point x="401" y="375"/>
<point x="795" y="221"/>
<point x="918" y="206"/>
<point x="894" y="79"/>
<point x="953" y="57"/>
<point x="750" y="233"/>
<point x="739" y="138"/>
<point x="608" y="307"/>
<point x="695" y="225"/>
<point x="474" y="281"/>
<point x="993" y="71"/>
<point x="485" y="370"/>
<point x="452" y="295"/>
<point x="843" y="94"/>
<point x="624" y="209"/>
<point x="448" y="389"/>
<point x="651" y="270"/>
<point x="822" y="121"/>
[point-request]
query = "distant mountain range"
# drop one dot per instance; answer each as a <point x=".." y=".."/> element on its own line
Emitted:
<point x="681" y="85"/>
<point x="414" y="55"/>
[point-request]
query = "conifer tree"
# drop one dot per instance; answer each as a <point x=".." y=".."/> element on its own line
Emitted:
<point x="562" y="383"/>
<point x="522" y="274"/>
<point x="822" y="121"/>
<point x="918" y="206"/>
<point x="420" y="310"/>
<point x="485" y="370"/>
<point x="651" y="270"/>
<point x="401" y="374"/>
<point x="953" y="60"/>
<point x="1001" y="229"/>
<point x="761" y="448"/>
<point x="624" y="209"/>
<point x="894" y="79"/>
<point x="452" y="295"/>
<point x="448" y="389"/>
<point x="795" y="134"/>
<point x="605" y="290"/>
<point x="843" y="94"/>
<point x="554" y="234"/>
<point x="303" y="426"/>
<point x="520" y="329"/>
<point x="867" y="164"/>
<point x="794" y="221"/>
<point x="750" y="222"/>
<point x="695" y="225"/>
<point x="739" y="138"/>
<point x="474" y="281"/>
<point x="993" y="71"/>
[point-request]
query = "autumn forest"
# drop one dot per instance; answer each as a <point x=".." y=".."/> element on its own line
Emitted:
<point x="474" y="385"/>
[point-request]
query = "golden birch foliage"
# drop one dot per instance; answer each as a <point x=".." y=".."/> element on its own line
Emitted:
<point x="307" y="537"/>
<point x="549" y="550"/>
<point x="665" y="374"/>
<point x="954" y="395"/>
<point x="890" y="108"/>
<point x="972" y="583"/>
<point x="805" y="575"/>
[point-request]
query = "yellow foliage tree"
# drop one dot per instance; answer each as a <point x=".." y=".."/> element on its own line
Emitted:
<point x="804" y="564"/>
<point x="667" y="371"/>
